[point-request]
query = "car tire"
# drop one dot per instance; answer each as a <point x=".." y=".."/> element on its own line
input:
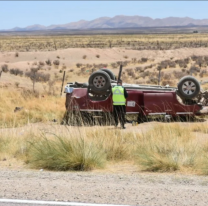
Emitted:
<point x="110" y="73"/>
<point x="99" y="82"/>
<point x="188" y="87"/>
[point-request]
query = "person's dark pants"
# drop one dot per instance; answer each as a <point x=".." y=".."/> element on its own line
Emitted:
<point x="119" y="112"/>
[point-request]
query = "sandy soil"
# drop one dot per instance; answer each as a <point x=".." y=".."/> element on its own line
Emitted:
<point x="119" y="183"/>
<point x="75" y="55"/>
<point x="70" y="57"/>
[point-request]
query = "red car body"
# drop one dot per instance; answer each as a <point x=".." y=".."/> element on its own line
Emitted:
<point x="142" y="102"/>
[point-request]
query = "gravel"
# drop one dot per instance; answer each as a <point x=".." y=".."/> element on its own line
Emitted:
<point x="134" y="188"/>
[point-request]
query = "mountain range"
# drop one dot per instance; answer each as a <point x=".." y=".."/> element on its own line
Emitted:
<point x="120" y="21"/>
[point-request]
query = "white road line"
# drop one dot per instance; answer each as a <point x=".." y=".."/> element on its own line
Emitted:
<point x="53" y="203"/>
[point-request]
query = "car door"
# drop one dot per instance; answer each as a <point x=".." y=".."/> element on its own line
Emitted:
<point x="158" y="103"/>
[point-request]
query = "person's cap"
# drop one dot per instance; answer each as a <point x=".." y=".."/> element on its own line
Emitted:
<point x="119" y="81"/>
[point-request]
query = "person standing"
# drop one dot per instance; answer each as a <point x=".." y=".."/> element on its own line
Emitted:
<point x="120" y="95"/>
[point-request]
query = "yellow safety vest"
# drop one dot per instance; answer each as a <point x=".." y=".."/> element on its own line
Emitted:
<point x="118" y="95"/>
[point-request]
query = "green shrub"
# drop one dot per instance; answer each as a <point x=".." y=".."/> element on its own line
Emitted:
<point x="61" y="153"/>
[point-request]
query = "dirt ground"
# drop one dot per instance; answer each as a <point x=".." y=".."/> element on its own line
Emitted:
<point x="70" y="57"/>
<point x="119" y="183"/>
<point x="75" y="55"/>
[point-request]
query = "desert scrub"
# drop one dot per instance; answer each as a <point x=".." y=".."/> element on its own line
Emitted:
<point x="85" y="149"/>
<point x="116" y="144"/>
<point x="135" y="42"/>
<point x="167" y="148"/>
<point x="35" y="108"/>
<point x="164" y="148"/>
<point x="61" y="153"/>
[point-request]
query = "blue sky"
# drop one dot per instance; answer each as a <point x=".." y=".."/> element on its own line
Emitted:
<point x="25" y="13"/>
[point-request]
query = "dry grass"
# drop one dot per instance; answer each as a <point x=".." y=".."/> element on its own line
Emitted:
<point x="168" y="148"/>
<point x="36" y="108"/>
<point x="165" y="148"/>
<point x="138" y="42"/>
<point x="200" y="127"/>
<point x="118" y="145"/>
<point x="14" y="145"/>
<point x="62" y="153"/>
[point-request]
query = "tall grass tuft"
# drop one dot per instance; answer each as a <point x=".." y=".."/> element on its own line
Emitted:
<point x="61" y="153"/>
<point x="167" y="148"/>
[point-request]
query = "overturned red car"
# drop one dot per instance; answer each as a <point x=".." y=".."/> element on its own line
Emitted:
<point x="94" y="99"/>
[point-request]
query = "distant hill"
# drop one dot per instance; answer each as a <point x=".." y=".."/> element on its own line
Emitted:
<point x="120" y="21"/>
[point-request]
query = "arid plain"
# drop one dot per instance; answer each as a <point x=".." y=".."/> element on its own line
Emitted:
<point x="121" y="167"/>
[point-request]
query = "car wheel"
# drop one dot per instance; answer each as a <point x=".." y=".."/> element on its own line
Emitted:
<point x="188" y="87"/>
<point x="99" y="82"/>
<point x="110" y="73"/>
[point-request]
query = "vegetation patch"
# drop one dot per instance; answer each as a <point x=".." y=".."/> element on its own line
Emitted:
<point x="133" y="42"/>
<point x="62" y="153"/>
<point x="35" y="108"/>
<point x="167" y="148"/>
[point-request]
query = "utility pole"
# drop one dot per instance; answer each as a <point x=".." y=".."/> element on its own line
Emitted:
<point x="159" y="77"/>
<point x="62" y="82"/>
<point x="119" y="74"/>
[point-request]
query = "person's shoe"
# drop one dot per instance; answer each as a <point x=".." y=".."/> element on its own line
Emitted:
<point x="123" y="127"/>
